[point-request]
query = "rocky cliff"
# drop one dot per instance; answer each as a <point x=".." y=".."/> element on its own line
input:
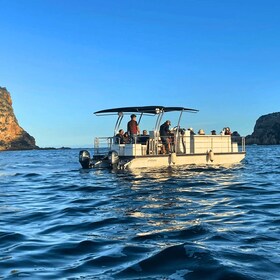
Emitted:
<point x="266" y="130"/>
<point x="12" y="136"/>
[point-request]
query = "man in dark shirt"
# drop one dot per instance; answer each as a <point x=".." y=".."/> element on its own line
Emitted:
<point x="132" y="128"/>
<point x="164" y="133"/>
<point x="142" y="139"/>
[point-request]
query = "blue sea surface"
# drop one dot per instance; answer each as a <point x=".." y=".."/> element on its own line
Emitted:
<point x="58" y="221"/>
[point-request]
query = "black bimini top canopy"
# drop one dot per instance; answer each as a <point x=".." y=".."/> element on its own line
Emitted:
<point x="145" y="110"/>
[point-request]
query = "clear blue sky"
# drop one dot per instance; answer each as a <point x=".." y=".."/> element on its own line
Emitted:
<point x="63" y="60"/>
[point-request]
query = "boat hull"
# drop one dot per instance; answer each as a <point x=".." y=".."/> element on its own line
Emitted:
<point x="180" y="160"/>
<point x="159" y="161"/>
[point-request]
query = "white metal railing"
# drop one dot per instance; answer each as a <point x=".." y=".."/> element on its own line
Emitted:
<point x="194" y="144"/>
<point x="102" y="145"/>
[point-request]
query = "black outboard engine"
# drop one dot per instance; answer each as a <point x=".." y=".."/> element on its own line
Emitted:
<point x="84" y="158"/>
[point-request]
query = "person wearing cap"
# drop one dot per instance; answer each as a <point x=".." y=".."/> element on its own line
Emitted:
<point x="213" y="132"/>
<point x="133" y="128"/>
<point x="165" y="133"/>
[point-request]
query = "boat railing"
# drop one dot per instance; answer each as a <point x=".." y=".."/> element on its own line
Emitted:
<point x="243" y="145"/>
<point x="196" y="144"/>
<point x="182" y="144"/>
<point x="102" y="145"/>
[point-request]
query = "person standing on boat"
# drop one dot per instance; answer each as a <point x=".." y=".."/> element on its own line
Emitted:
<point x="165" y="134"/>
<point x="132" y="128"/>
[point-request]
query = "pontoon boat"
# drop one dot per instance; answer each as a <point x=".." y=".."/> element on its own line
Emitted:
<point x="186" y="148"/>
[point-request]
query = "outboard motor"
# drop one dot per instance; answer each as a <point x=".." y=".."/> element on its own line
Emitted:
<point x="84" y="158"/>
<point x="113" y="158"/>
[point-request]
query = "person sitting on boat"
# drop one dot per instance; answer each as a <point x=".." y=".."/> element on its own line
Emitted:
<point x="126" y="138"/>
<point x="227" y="131"/>
<point x="142" y="139"/>
<point x="201" y="132"/>
<point x="119" y="138"/>
<point x="133" y="128"/>
<point x="165" y="134"/>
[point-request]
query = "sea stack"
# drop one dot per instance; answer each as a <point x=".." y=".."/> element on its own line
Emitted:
<point x="12" y="136"/>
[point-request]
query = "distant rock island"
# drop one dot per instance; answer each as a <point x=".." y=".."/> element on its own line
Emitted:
<point x="12" y="136"/>
<point x="266" y="130"/>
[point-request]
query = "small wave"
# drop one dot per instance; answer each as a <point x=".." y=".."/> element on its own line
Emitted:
<point x="28" y="175"/>
<point x="193" y="232"/>
<point x="73" y="248"/>
<point x="186" y="261"/>
<point x="77" y="227"/>
<point x="11" y="238"/>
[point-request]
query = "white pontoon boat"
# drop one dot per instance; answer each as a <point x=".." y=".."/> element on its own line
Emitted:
<point x="185" y="148"/>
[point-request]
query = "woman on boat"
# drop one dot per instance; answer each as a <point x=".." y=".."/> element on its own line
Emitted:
<point x="227" y="131"/>
<point x="119" y="138"/>
<point x="126" y="138"/>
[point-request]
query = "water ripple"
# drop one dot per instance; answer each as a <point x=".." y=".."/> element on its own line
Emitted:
<point x="61" y="222"/>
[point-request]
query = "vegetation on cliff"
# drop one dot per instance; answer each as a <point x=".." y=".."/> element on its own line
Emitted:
<point x="12" y="136"/>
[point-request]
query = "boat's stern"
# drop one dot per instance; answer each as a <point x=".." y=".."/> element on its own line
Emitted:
<point x="84" y="159"/>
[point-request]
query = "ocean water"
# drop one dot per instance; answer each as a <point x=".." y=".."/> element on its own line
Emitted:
<point x="58" y="221"/>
